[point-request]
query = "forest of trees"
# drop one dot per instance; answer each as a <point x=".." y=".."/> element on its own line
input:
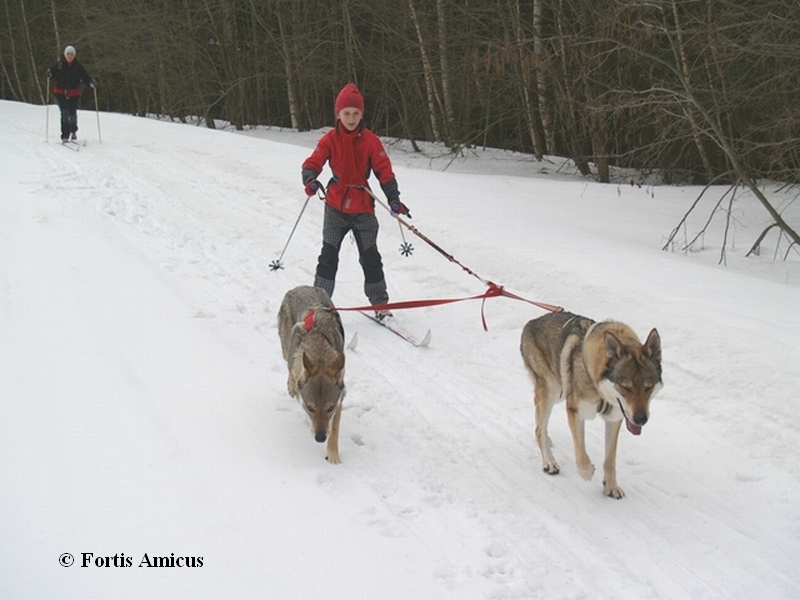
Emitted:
<point x="699" y="90"/>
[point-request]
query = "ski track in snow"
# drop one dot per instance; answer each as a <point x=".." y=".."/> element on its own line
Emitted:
<point x="439" y="458"/>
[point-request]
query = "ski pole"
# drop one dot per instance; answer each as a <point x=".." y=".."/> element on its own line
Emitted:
<point x="97" y="112"/>
<point x="497" y="290"/>
<point x="424" y="238"/>
<point x="277" y="264"/>
<point x="406" y="249"/>
<point x="47" y="118"/>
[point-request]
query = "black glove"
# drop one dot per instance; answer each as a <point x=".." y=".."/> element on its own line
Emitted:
<point x="92" y="84"/>
<point x="49" y="74"/>
<point x="398" y="208"/>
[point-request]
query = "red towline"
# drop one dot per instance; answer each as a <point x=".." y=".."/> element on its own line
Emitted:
<point x="492" y="291"/>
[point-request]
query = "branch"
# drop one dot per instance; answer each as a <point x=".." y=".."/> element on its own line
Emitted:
<point x="675" y="231"/>
<point x="722" y="260"/>
<point x="754" y="249"/>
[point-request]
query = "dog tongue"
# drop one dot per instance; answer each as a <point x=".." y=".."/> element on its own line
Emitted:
<point x="634" y="429"/>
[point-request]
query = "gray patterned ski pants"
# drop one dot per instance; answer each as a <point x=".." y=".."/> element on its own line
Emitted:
<point x="364" y="226"/>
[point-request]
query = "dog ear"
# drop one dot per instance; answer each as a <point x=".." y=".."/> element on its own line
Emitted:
<point x="652" y="346"/>
<point x="298" y="375"/>
<point x="309" y="366"/>
<point x="336" y="367"/>
<point x="613" y="347"/>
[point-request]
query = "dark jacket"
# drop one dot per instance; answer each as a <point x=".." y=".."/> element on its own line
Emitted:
<point x="352" y="157"/>
<point x="68" y="78"/>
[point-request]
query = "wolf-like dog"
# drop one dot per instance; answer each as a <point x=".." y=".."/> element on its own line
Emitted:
<point x="599" y="368"/>
<point x="312" y="342"/>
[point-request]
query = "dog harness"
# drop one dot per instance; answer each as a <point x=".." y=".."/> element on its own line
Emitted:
<point x="309" y="320"/>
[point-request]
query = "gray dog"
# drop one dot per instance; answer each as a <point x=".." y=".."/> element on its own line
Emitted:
<point x="599" y="368"/>
<point x="312" y="341"/>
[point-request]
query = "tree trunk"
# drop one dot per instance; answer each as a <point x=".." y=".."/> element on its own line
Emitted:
<point x="287" y="64"/>
<point x="539" y="57"/>
<point x="55" y="23"/>
<point x="13" y="47"/>
<point x="349" y="42"/>
<point x="428" y="73"/>
<point x="34" y="73"/>
<point x="571" y="122"/>
<point x="683" y="61"/>
<point x="450" y="119"/>
<point x="530" y="113"/>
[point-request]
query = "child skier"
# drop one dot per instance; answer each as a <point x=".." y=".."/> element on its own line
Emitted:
<point x="353" y="151"/>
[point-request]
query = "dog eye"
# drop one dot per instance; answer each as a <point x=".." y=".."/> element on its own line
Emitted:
<point x="310" y="409"/>
<point x="330" y="409"/>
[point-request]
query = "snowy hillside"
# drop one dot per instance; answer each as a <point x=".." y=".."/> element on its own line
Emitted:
<point x="145" y="411"/>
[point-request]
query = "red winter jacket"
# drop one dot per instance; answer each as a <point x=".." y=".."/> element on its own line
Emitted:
<point x="352" y="155"/>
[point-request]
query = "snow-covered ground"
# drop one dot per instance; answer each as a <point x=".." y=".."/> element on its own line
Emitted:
<point x="144" y="403"/>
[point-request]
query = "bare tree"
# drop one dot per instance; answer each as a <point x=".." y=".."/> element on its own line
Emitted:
<point x="430" y="87"/>
<point x="447" y="97"/>
<point x="700" y="89"/>
<point x="714" y="109"/>
<point x="529" y="83"/>
<point x="31" y="54"/>
<point x="20" y="91"/>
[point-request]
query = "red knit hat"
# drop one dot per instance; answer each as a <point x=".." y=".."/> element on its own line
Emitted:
<point x="349" y="97"/>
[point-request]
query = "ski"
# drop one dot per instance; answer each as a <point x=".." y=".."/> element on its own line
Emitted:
<point x="74" y="146"/>
<point x="390" y="324"/>
<point x="353" y="342"/>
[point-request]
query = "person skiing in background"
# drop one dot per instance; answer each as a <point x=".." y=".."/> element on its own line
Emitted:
<point x="67" y="76"/>
<point x="353" y="152"/>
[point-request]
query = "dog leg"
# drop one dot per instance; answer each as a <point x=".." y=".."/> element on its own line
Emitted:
<point x="576" y="426"/>
<point x="544" y="406"/>
<point x="333" y="438"/>
<point x="610" y="487"/>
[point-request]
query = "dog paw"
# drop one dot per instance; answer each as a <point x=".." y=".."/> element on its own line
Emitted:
<point x="613" y="491"/>
<point x="586" y="471"/>
<point x="551" y="468"/>
<point x="333" y="458"/>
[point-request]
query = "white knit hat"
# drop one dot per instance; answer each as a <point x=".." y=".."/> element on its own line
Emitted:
<point x="69" y="50"/>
